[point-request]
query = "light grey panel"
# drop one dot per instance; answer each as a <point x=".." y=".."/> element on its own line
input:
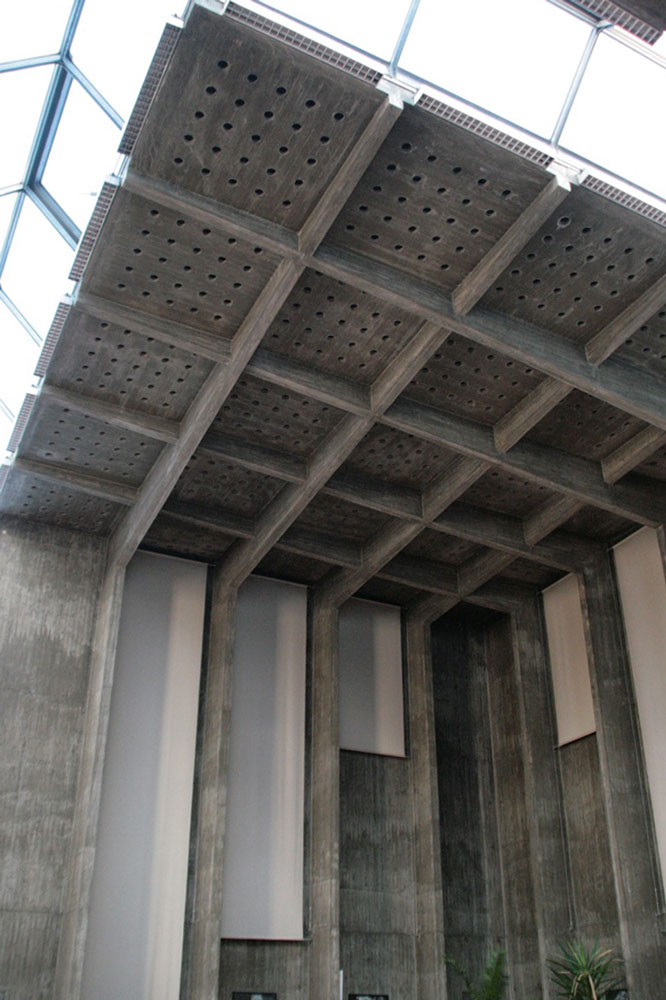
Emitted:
<point x="138" y="894"/>
<point x="640" y="573"/>
<point x="262" y="887"/>
<point x="371" y="708"/>
<point x="568" y="658"/>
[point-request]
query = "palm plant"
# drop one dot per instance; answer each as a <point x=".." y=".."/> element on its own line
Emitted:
<point x="585" y="974"/>
<point x="493" y="982"/>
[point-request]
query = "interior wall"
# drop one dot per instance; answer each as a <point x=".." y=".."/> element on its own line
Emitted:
<point x="135" y="929"/>
<point x="262" y="886"/>
<point x="568" y="660"/>
<point x="377" y="897"/>
<point x="471" y="871"/>
<point x="48" y="593"/>
<point x="371" y="703"/>
<point x="519" y="870"/>
<point x="640" y="571"/>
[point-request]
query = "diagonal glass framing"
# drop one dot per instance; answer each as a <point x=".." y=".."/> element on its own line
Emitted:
<point x="401" y="22"/>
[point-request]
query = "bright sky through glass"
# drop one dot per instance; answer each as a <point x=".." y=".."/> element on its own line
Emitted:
<point x="114" y="58"/>
<point x="516" y="59"/>
<point x="32" y="29"/>
<point x="21" y="100"/>
<point x="35" y="277"/>
<point x="623" y="128"/>
<point x="371" y="25"/>
<point x="82" y="155"/>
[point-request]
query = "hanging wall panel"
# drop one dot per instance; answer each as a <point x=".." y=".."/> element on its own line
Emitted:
<point x="263" y="850"/>
<point x="640" y="573"/>
<point x="135" y="931"/>
<point x="568" y="658"/>
<point x="371" y="702"/>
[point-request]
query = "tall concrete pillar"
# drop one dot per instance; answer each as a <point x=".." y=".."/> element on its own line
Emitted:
<point x="624" y="786"/>
<point x="429" y="929"/>
<point x="201" y="959"/>
<point x="71" y="949"/>
<point x="542" y="785"/>
<point x="325" y="949"/>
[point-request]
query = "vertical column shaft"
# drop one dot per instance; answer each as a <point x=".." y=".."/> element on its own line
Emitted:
<point x="325" y="951"/>
<point x="71" y="950"/>
<point x="429" y="930"/>
<point x="543" y="794"/>
<point x="202" y="955"/>
<point x="623" y="783"/>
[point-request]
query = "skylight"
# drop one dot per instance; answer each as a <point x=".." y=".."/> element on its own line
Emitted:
<point x="70" y="72"/>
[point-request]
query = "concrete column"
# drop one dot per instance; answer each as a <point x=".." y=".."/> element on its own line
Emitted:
<point x="623" y="784"/>
<point x="71" y="950"/>
<point x="429" y="930"/>
<point x="511" y="796"/>
<point x="201" y="958"/>
<point x="542" y="785"/>
<point x="325" y="948"/>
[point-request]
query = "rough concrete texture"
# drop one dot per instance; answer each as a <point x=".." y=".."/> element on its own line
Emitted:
<point x="473" y="914"/>
<point x="623" y="781"/>
<point x="48" y="596"/>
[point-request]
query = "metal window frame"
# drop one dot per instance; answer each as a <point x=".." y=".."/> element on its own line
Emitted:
<point x="31" y="186"/>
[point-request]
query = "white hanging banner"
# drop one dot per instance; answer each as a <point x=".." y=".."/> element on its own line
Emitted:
<point x="137" y="911"/>
<point x="262" y="885"/>
<point x="574" y="708"/>
<point x="371" y="691"/>
<point x="640" y="575"/>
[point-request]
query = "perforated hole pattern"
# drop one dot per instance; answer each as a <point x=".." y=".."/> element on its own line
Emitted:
<point x="398" y="458"/>
<point x="356" y="524"/>
<point x="120" y="366"/>
<point x="53" y="503"/>
<point x="259" y="412"/>
<point x="63" y="436"/>
<point x="218" y="485"/>
<point x="163" y="263"/>
<point x="444" y="548"/>
<point x="581" y="270"/>
<point x="252" y="128"/>
<point x="433" y="203"/>
<point x="584" y="426"/>
<point x="338" y="329"/>
<point x="469" y="380"/>
<point x="502" y="491"/>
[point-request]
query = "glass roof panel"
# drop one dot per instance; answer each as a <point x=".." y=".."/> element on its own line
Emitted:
<point x="35" y="276"/>
<point x="130" y="32"/>
<point x="32" y="29"/>
<point x="372" y="25"/>
<point x="616" y="118"/>
<point x="15" y="377"/>
<point x="516" y="59"/>
<point x="7" y="203"/>
<point x="19" y="118"/>
<point x="5" y="430"/>
<point x="83" y="153"/>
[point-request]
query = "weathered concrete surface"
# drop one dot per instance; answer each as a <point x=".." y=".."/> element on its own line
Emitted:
<point x="429" y="903"/>
<point x="377" y="898"/>
<point x="201" y="954"/>
<point x="265" y="967"/>
<point x="550" y="869"/>
<point x="594" y="905"/>
<point x="518" y="875"/>
<point x="471" y="876"/>
<point x="325" y="763"/>
<point x="632" y="847"/>
<point x="83" y="842"/>
<point x="48" y="596"/>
